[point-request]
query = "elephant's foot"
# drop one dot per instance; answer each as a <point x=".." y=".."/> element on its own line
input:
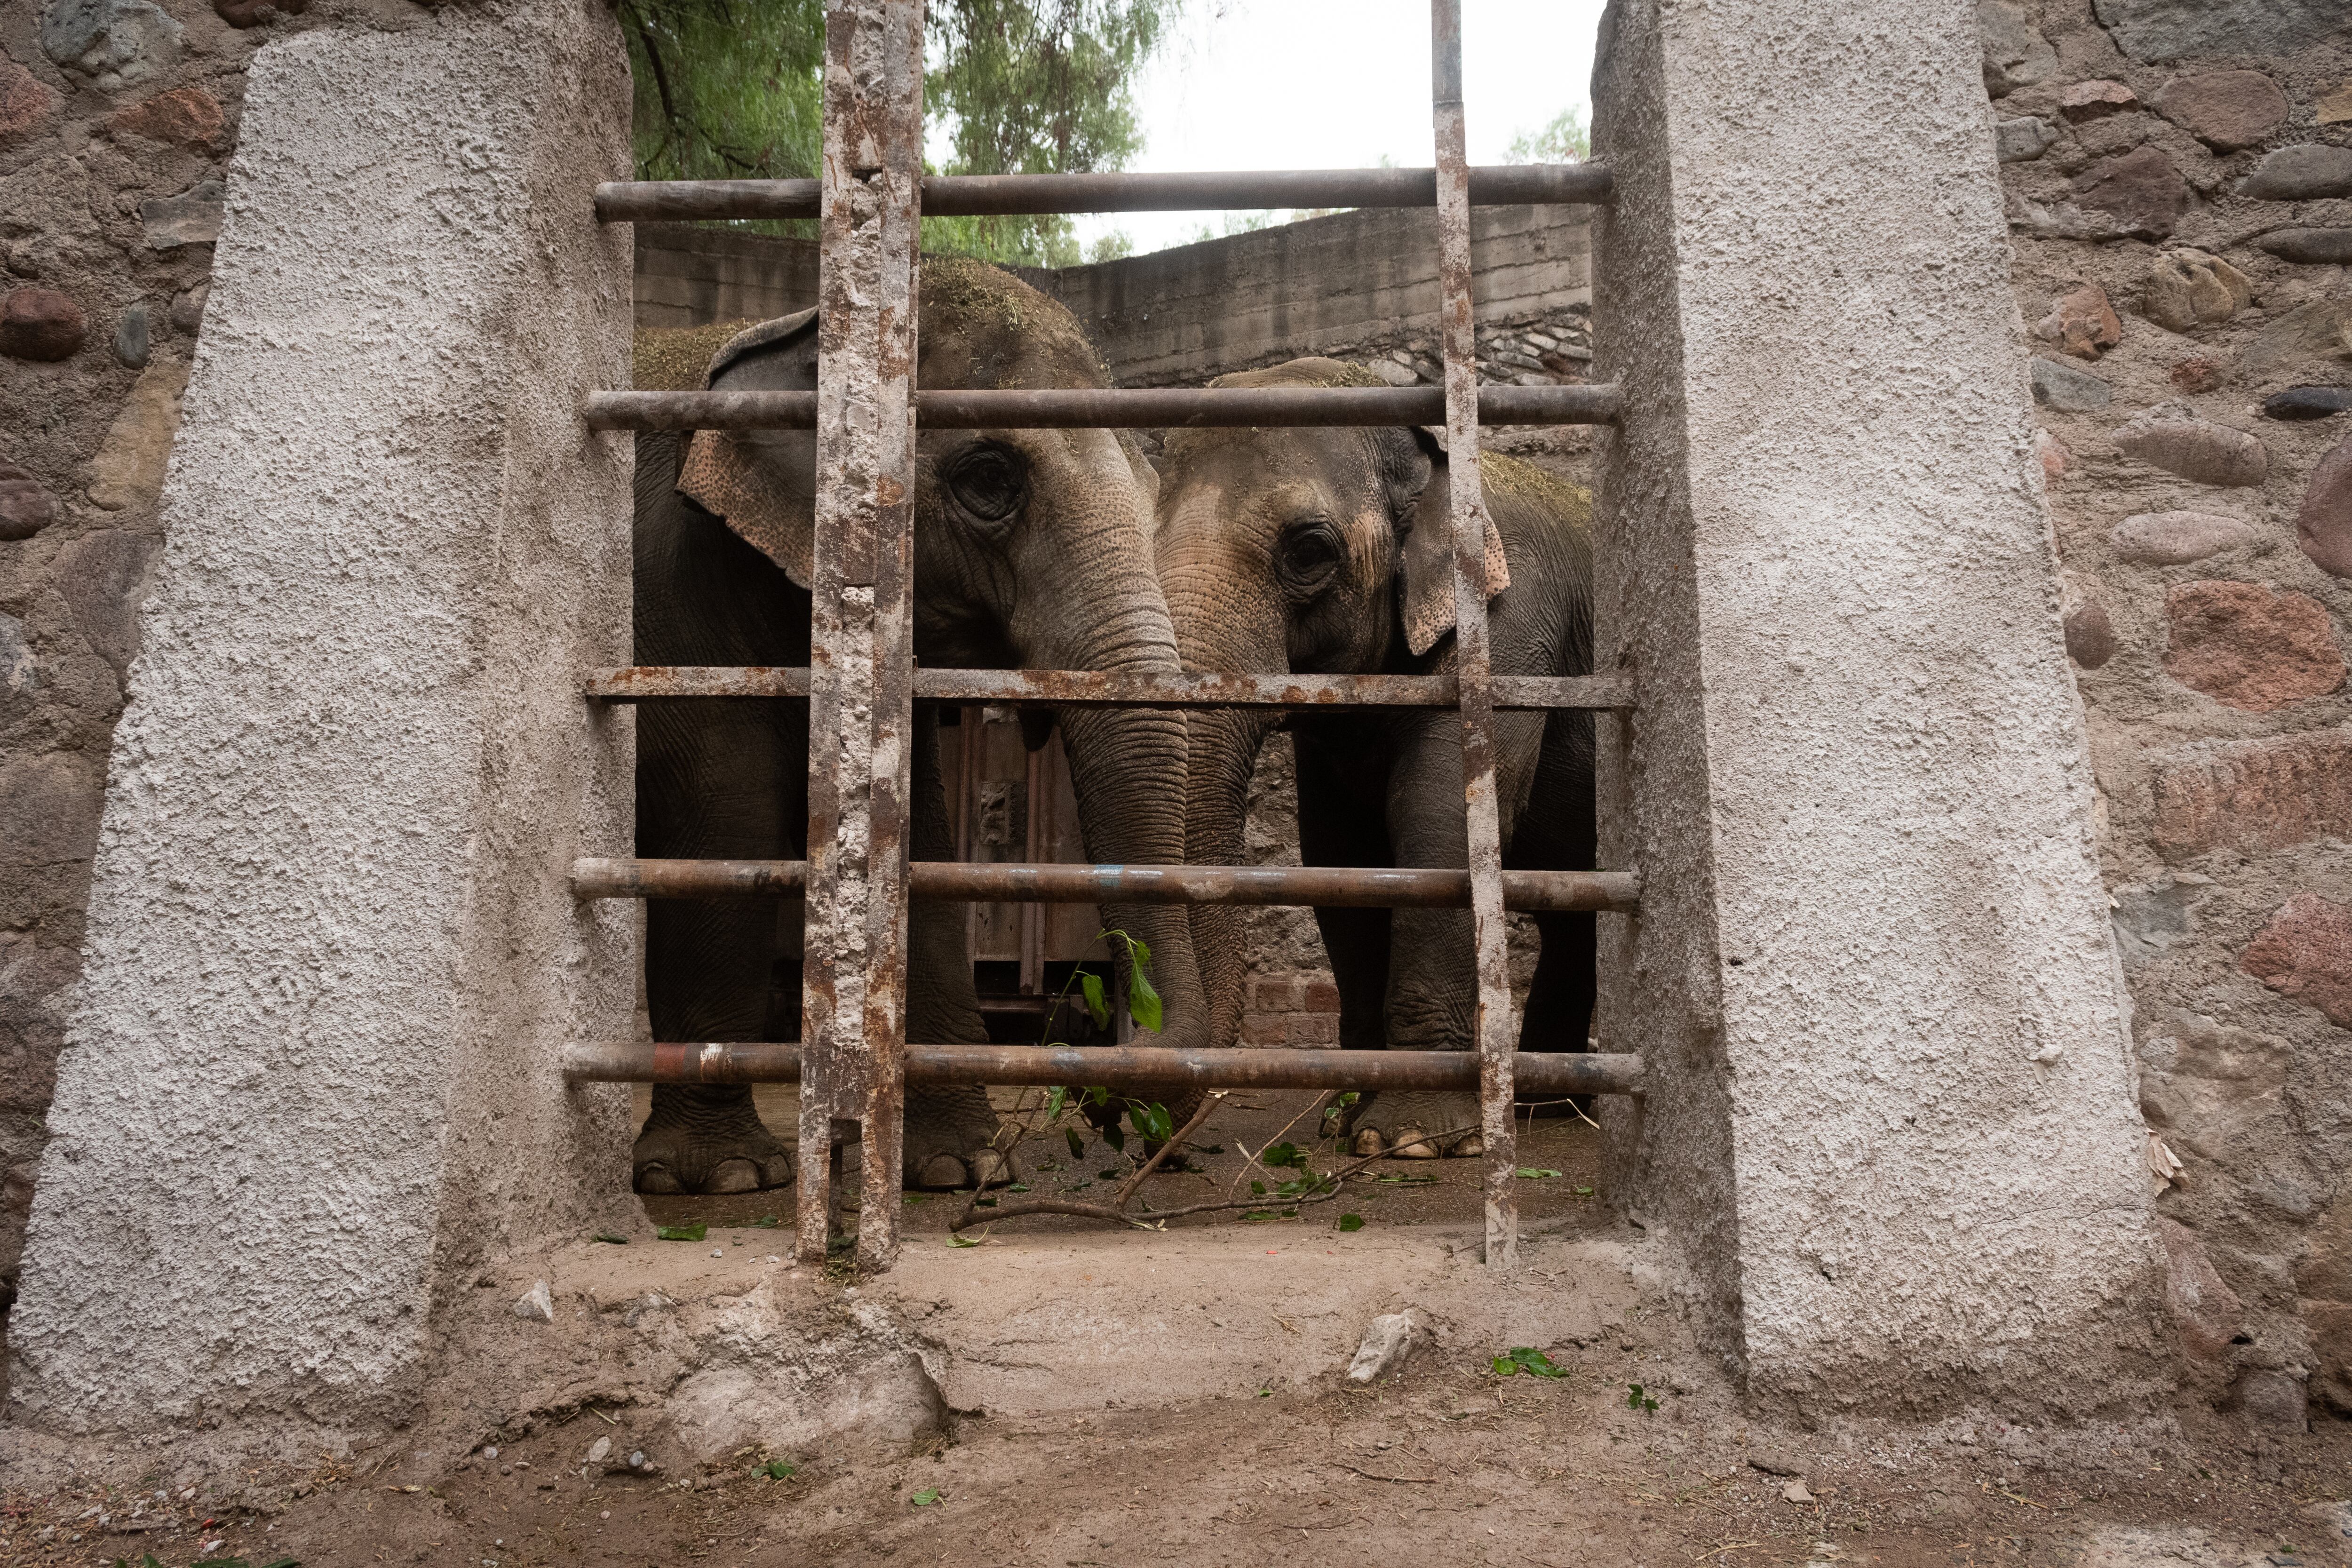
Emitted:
<point x="1415" y="1125"/>
<point x="954" y="1139"/>
<point x="707" y="1140"/>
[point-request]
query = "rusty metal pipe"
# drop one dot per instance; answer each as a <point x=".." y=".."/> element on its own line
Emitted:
<point x="1107" y="408"/>
<point x="1008" y="195"/>
<point x="1112" y="1067"/>
<point x="1013" y="882"/>
<point x="1096" y="688"/>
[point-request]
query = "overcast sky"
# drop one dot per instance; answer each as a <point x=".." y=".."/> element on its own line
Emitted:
<point x="1313" y="84"/>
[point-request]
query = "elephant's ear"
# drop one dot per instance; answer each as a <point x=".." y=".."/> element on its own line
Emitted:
<point x="763" y="482"/>
<point x="1428" y="562"/>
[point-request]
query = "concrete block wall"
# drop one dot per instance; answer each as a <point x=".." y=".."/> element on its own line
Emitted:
<point x="117" y="121"/>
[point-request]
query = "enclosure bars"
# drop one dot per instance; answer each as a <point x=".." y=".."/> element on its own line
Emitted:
<point x="856" y="1061"/>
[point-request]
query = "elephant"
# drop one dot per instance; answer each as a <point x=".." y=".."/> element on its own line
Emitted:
<point x="1032" y="548"/>
<point x="1330" y="551"/>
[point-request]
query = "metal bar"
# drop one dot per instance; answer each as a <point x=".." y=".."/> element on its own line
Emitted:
<point x="1007" y="195"/>
<point x="1095" y="688"/>
<point x="1495" y="1040"/>
<point x="1121" y="408"/>
<point x="1113" y="1067"/>
<point x="861" y="698"/>
<point x="1011" y="882"/>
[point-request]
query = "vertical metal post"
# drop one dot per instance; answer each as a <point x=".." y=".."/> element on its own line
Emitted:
<point x="1495" y="1031"/>
<point x="861" y="678"/>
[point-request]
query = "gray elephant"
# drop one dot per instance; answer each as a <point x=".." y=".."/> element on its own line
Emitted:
<point x="1330" y="551"/>
<point x="1032" y="550"/>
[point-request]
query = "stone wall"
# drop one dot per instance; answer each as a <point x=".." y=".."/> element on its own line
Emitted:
<point x="117" y="118"/>
<point x="2180" y="190"/>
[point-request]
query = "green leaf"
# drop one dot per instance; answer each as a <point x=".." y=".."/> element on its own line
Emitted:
<point x="1351" y="1221"/>
<point x="1077" y="1144"/>
<point x="1098" y="1005"/>
<point x="1113" y="1174"/>
<point x="1255" y="1214"/>
<point x="614" y="1237"/>
<point x="983" y="1203"/>
<point x="925" y="1498"/>
<point x="1535" y="1173"/>
<point x="220" y="1562"/>
<point x="1350" y="1097"/>
<point x="912" y="1199"/>
<point x="273" y="1562"/>
<point x="1054" y="1098"/>
<point x="767" y="1221"/>
<point x="961" y="1241"/>
<point x="1097" y="1095"/>
<point x="1115" y="1138"/>
<point x="683" y="1232"/>
<point x="1142" y="1001"/>
<point x="777" y="1470"/>
<point x="1266" y="1393"/>
<point x="1281" y="1155"/>
<point x="1152" y="1121"/>
<point x="1639" y="1400"/>
<point x="1584" y="1192"/>
<point x="1528" y="1360"/>
<point x="1257" y="1189"/>
<point x="1018" y="1187"/>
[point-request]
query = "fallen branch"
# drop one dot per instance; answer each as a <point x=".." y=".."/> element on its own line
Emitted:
<point x="971" y="1215"/>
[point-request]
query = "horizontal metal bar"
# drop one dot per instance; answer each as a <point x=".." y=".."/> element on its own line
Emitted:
<point x="1007" y="195"/>
<point x="1096" y="688"/>
<point x="1115" y="408"/>
<point x="966" y="881"/>
<point x="1112" y="1067"/>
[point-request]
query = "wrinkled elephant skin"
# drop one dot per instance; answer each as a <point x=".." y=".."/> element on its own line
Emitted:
<point x="1032" y="550"/>
<point x="1324" y="551"/>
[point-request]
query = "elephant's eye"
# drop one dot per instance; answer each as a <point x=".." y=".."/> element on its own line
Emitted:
<point x="1308" y="556"/>
<point x="988" y="483"/>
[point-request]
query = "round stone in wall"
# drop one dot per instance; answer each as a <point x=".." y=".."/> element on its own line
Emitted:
<point x="2308" y="402"/>
<point x="2306" y="953"/>
<point x="26" y="508"/>
<point x="2196" y="449"/>
<point x="2071" y="391"/>
<point x="2090" y="635"/>
<point x="2323" y="526"/>
<point x="2178" y="538"/>
<point x="2250" y="648"/>
<point x="40" y="324"/>
<point x="2309" y="247"/>
<point x="2224" y="110"/>
<point x="2305" y="173"/>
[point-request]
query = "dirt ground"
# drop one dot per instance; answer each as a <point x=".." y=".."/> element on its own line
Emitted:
<point x="1450" y="1462"/>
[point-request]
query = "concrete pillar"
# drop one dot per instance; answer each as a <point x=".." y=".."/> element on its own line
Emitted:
<point x="1892" y="1122"/>
<point x="312" y="1075"/>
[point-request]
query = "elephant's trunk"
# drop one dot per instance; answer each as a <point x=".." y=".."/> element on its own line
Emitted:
<point x="1096" y="605"/>
<point x="1217" y="630"/>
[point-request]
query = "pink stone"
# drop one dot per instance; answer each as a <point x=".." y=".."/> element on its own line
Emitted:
<point x="2306" y="953"/>
<point x="40" y="324"/>
<point x="2323" y="526"/>
<point x="25" y="102"/>
<point x="2095" y="100"/>
<point x="2245" y="646"/>
<point x="2082" y="323"/>
<point x="2207" y="1312"/>
<point x="2257" y="794"/>
<point x="2054" y="455"/>
<point x="2224" y="110"/>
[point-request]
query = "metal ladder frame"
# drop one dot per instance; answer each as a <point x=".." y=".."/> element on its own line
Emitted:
<point x="854" y="1062"/>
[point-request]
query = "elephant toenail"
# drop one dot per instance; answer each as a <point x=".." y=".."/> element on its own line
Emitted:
<point x="737" y="1175"/>
<point x="658" y="1179"/>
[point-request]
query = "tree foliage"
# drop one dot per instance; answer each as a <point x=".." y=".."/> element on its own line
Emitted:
<point x="732" y="90"/>
<point x="1564" y="141"/>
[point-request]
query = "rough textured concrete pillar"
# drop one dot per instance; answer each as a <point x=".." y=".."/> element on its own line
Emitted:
<point x="1892" y="1120"/>
<point x="312" y="1073"/>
